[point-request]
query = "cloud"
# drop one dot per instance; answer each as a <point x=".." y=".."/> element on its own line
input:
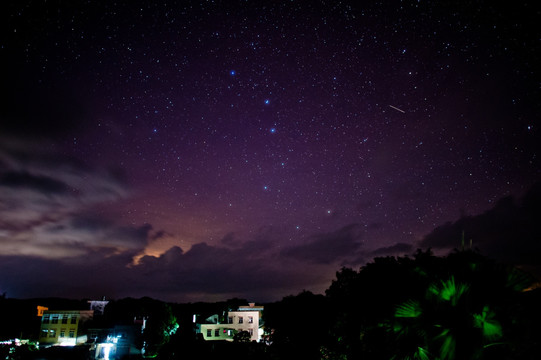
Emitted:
<point x="511" y="231"/>
<point x="59" y="236"/>
<point x="251" y="270"/>
<point x="398" y="248"/>
<point x="202" y="273"/>
<point x="41" y="184"/>
<point x="48" y="203"/>
<point x="228" y="239"/>
<point x="330" y="247"/>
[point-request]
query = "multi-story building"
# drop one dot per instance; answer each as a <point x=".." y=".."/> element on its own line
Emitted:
<point x="245" y="318"/>
<point x="63" y="327"/>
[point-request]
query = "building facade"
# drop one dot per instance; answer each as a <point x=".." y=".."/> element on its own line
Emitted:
<point x="63" y="327"/>
<point x="245" y="318"/>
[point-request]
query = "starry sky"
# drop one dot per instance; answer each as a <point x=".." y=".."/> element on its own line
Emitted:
<point x="206" y="150"/>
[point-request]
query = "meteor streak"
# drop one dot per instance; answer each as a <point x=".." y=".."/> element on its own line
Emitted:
<point x="397" y="109"/>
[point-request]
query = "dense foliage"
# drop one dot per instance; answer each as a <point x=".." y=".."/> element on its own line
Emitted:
<point x="463" y="306"/>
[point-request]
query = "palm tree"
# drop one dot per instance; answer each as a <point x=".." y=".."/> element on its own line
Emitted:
<point x="462" y="314"/>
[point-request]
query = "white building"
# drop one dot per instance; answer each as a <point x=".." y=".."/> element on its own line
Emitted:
<point x="246" y="318"/>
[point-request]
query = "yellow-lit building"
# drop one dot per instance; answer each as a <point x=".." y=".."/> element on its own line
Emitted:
<point x="63" y="327"/>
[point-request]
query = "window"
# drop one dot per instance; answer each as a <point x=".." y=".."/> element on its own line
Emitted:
<point x="72" y="333"/>
<point x="230" y="320"/>
<point x="65" y="319"/>
<point x="45" y="319"/>
<point x="250" y="319"/>
<point x="209" y="332"/>
<point x="74" y="320"/>
<point x="251" y="331"/>
<point x="241" y="320"/>
<point x="62" y="333"/>
<point x="54" y="319"/>
<point x="52" y="333"/>
<point x="44" y="332"/>
<point x="217" y="332"/>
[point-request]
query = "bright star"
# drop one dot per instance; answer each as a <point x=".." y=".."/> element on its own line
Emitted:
<point x="267" y="101"/>
<point x="232" y="72"/>
<point x="272" y="130"/>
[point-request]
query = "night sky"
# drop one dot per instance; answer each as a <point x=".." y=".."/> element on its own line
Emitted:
<point x="206" y="150"/>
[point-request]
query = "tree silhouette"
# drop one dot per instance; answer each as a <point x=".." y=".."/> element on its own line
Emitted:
<point x="462" y="306"/>
<point x="299" y="325"/>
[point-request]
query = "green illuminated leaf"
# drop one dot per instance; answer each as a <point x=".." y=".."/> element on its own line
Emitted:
<point x="449" y="290"/>
<point x="485" y="321"/>
<point x="409" y="309"/>
<point x="421" y="354"/>
<point x="447" y="349"/>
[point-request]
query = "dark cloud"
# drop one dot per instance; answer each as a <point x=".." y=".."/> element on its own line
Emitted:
<point x="42" y="184"/>
<point x="90" y="222"/>
<point x="159" y="235"/>
<point x="255" y="268"/>
<point x="398" y="248"/>
<point x="375" y="226"/>
<point x="245" y="271"/>
<point x="102" y="231"/>
<point x="228" y="239"/>
<point x="34" y="155"/>
<point x="48" y="205"/>
<point x="511" y="231"/>
<point x="330" y="247"/>
<point x="202" y="272"/>
<point x="137" y="237"/>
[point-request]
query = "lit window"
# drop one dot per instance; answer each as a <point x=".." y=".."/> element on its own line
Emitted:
<point x="241" y="320"/>
<point x="45" y="319"/>
<point x="217" y="332"/>
<point x="44" y="332"/>
<point x="209" y="333"/>
<point x="52" y="333"/>
<point x="250" y="319"/>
